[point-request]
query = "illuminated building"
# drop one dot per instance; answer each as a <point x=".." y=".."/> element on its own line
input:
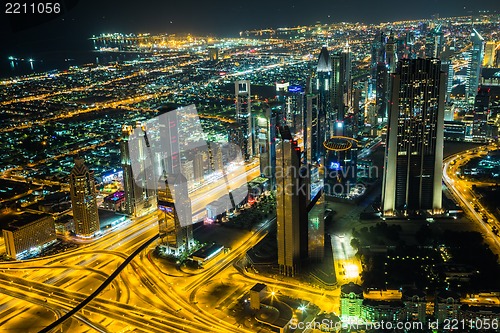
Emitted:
<point x="83" y="200"/>
<point x="27" y="234"/>
<point x="481" y="113"/>
<point x="140" y="193"/>
<point x="323" y="89"/>
<point x="351" y="301"/>
<point x="312" y="130"/>
<point x="341" y="87"/>
<point x="377" y="56"/>
<point x="446" y="306"/>
<point x="391" y="57"/>
<point x="415" y="305"/>
<point x="295" y="114"/>
<point x="244" y="116"/>
<point x="198" y="167"/>
<point x="476" y="55"/>
<point x="491" y="50"/>
<point x="215" y="157"/>
<point x="213" y="53"/>
<point x="291" y="201"/>
<point x="434" y="43"/>
<point x="414" y="149"/>
<point x="447" y="67"/>
<point x="340" y="165"/>
<point x="174" y="215"/>
<point x="382" y="92"/>
<point x="375" y="311"/>
<point x="266" y="137"/>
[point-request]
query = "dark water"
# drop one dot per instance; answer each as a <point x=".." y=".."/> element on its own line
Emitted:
<point x="56" y="60"/>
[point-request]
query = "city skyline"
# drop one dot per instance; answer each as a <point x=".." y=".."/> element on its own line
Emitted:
<point x="333" y="177"/>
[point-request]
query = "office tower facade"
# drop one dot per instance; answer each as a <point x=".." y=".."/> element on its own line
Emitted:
<point x="476" y="55"/>
<point x="377" y="56"/>
<point x="291" y="205"/>
<point x="174" y="214"/>
<point x="491" y="49"/>
<point x="324" y="90"/>
<point x="434" y="42"/>
<point x="199" y="166"/>
<point x="382" y="92"/>
<point x="83" y="200"/>
<point x="266" y="136"/>
<point x="244" y="116"/>
<point x="341" y="88"/>
<point x="414" y="150"/>
<point x="340" y="166"/>
<point x="391" y="57"/>
<point x="295" y="104"/>
<point x="140" y="192"/>
<point x="481" y="114"/>
<point x="312" y="136"/>
<point x="447" y="67"/>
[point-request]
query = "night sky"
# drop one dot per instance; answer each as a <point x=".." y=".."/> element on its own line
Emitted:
<point x="222" y="17"/>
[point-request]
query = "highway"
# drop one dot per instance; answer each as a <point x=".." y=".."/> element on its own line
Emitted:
<point x="463" y="194"/>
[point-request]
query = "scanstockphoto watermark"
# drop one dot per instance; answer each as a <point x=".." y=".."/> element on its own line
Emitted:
<point x="166" y="154"/>
<point x="328" y="325"/>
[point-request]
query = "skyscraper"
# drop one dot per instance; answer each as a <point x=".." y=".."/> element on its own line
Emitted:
<point x="291" y="188"/>
<point x="481" y="112"/>
<point x="474" y="67"/>
<point x="312" y="136"/>
<point x="267" y="143"/>
<point x="341" y="86"/>
<point x="295" y="109"/>
<point x="414" y="150"/>
<point x="434" y="42"/>
<point x="491" y="50"/>
<point x="323" y="89"/>
<point x="140" y="193"/>
<point x="174" y="214"/>
<point x="244" y="116"/>
<point x="83" y="200"/>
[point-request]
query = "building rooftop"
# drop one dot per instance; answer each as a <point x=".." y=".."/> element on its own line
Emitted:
<point x="24" y="219"/>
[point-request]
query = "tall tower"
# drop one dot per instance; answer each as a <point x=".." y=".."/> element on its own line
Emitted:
<point x="474" y="67"/>
<point x="140" y="193"/>
<point x="323" y="88"/>
<point x="267" y="143"/>
<point x="291" y="189"/>
<point x="341" y="77"/>
<point x="244" y="116"/>
<point x="481" y="112"/>
<point x="83" y="200"/>
<point x="312" y="136"/>
<point x="174" y="214"/>
<point x="414" y="150"/>
<point x="391" y="57"/>
<point x="434" y="43"/>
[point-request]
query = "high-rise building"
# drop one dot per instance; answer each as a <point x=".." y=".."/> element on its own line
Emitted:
<point x="198" y="167"/>
<point x="267" y="143"/>
<point x="341" y="88"/>
<point x="312" y="139"/>
<point x="481" y="113"/>
<point x="244" y="116"/>
<point x="476" y="55"/>
<point x="291" y="188"/>
<point x="140" y="193"/>
<point x="491" y="49"/>
<point x="295" y="109"/>
<point x="447" y="67"/>
<point x="434" y="42"/>
<point x="377" y="56"/>
<point x="324" y="90"/>
<point x="391" y="57"/>
<point x="382" y="92"/>
<point x="414" y="149"/>
<point x="174" y="214"/>
<point x="83" y="200"/>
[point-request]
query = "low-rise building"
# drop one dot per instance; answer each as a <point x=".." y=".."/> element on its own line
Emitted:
<point x="28" y="234"/>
